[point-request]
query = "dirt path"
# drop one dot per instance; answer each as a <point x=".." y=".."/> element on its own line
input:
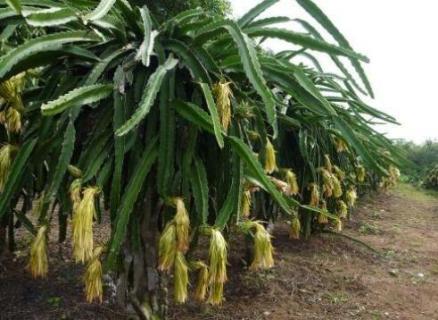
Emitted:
<point x="328" y="277"/>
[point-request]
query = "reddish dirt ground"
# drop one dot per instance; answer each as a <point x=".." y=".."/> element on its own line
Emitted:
<point x="327" y="277"/>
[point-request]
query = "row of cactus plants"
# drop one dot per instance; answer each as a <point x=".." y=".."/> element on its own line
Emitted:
<point x="177" y="129"/>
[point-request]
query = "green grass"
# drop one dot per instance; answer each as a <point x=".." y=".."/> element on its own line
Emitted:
<point x="337" y="297"/>
<point x="416" y="193"/>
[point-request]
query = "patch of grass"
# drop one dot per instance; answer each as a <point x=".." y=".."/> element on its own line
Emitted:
<point x="389" y="254"/>
<point x="416" y="193"/>
<point x="55" y="302"/>
<point x="434" y="270"/>
<point x="336" y="297"/>
<point x="367" y="228"/>
<point x="376" y="215"/>
<point x="375" y="315"/>
<point x="257" y="281"/>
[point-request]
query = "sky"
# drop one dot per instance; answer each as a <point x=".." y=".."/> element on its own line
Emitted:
<point x="400" y="38"/>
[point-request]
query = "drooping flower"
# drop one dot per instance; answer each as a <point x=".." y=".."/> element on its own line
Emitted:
<point x="393" y="177"/>
<point x="281" y="185"/>
<point x="203" y="280"/>
<point x="38" y="261"/>
<point x="7" y="153"/>
<point x="181" y="278"/>
<point x="223" y="94"/>
<point x="82" y="224"/>
<point x="263" y="249"/>
<point x="327" y="182"/>
<point x="291" y="180"/>
<point x="270" y="158"/>
<point x="93" y="277"/>
<point x="342" y="209"/>
<point x="322" y="217"/>
<point x="351" y="197"/>
<point x="360" y="173"/>
<point x="10" y="91"/>
<point x="218" y="266"/>
<point x="216" y="293"/>
<point x="75" y="193"/>
<point x="246" y="203"/>
<point x="295" y="228"/>
<point x="314" y="195"/>
<point x="337" y="188"/>
<point x="340" y="144"/>
<point x="339" y="173"/>
<point x="182" y="224"/>
<point x="338" y="225"/>
<point x="167" y="247"/>
<point x="12" y="120"/>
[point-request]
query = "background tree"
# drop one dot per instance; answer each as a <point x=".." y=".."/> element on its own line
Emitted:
<point x="423" y="159"/>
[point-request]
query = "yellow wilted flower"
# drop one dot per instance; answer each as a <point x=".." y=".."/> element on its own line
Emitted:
<point x="327" y="191"/>
<point x="75" y="193"/>
<point x="314" y="195"/>
<point x="281" y="185"/>
<point x="203" y="279"/>
<point x="167" y="247"/>
<point x="295" y="228"/>
<point x="10" y="91"/>
<point x="270" y="158"/>
<point x="246" y="203"/>
<point x="12" y="120"/>
<point x="327" y="181"/>
<point x="7" y="152"/>
<point x="263" y="250"/>
<point x="393" y="177"/>
<point x="342" y="209"/>
<point x="337" y="188"/>
<point x="340" y="144"/>
<point x="182" y="224"/>
<point x="322" y="218"/>
<point x="351" y="197"/>
<point x="328" y="163"/>
<point x="93" y="277"/>
<point x="394" y="172"/>
<point x="83" y="226"/>
<point x="218" y="266"/>
<point x="216" y="293"/>
<point x="223" y="94"/>
<point x="38" y="262"/>
<point x="181" y="278"/>
<point x="338" y="225"/>
<point x="291" y="180"/>
<point x="331" y="184"/>
<point x="339" y="173"/>
<point x="360" y="173"/>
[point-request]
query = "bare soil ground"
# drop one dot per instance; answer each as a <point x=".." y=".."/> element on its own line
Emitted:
<point x="327" y="277"/>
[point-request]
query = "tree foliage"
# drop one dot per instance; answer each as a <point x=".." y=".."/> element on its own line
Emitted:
<point x="168" y="8"/>
<point x="423" y="159"/>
